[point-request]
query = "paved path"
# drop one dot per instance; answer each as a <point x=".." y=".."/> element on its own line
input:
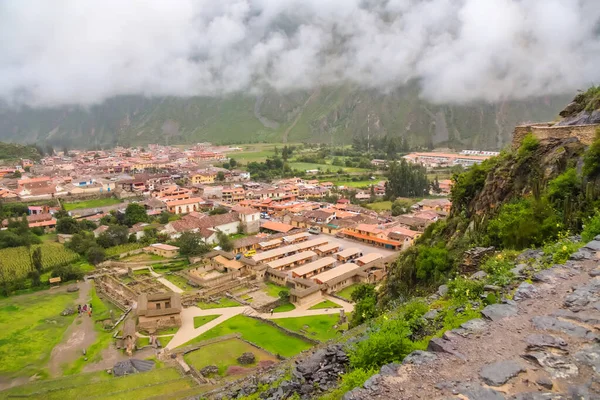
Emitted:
<point x="187" y="331"/>
<point x="170" y="285"/>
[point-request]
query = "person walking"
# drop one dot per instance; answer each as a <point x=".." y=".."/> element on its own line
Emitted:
<point x="272" y="311"/>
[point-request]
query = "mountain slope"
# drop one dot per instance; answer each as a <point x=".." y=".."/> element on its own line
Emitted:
<point x="329" y="114"/>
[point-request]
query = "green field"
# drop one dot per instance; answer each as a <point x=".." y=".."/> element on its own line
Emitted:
<point x="178" y="281"/>
<point x="16" y="261"/>
<point x="258" y="152"/>
<point x="100" y="385"/>
<point x="318" y="327"/>
<point x="273" y="289"/>
<point x="224" y="354"/>
<point x="93" y="203"/>
<point x="347" y="292"/>
<point x="122" y="248"/>
<point x="355" y="184"/>
<point x="199" y="321"/>
<point x="324" y="305"/>
<point x="266" y="336"/>
<point x="302" y="166"/>
<point x="30" y="326"/>
<point x="284" y="308"/>
<point x="222" y="303"/>
<point x="380" y="206"/>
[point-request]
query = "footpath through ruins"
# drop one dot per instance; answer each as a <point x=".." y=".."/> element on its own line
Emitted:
<point x="187" y="331"/>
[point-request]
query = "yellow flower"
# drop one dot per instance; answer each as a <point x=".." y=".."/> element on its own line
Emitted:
<point x="564" y="248"/>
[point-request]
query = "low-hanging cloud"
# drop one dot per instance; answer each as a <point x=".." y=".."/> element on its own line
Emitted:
<point x="82" y="52"/>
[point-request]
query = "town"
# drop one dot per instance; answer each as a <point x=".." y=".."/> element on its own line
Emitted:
<point x="176" y="253"/>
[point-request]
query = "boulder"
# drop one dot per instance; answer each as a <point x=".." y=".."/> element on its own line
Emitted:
<point x="539" y="341"/>
<point x="478" y="392"/>
<point x="442" y="290"/>
<point x="67" y="311"/>
<point x="73" y="288"/>
<point x="498" y="373"/>
<point x="497" y="312"/>
<point x="558" y="366"/>
<point x="389" y="369"/>
<point x="431" y="314"/>
<point x="439" y="345"/>
<point x="547" y="323"/>
<point x="247" y="358"/>
<point x="419" y="357"/>
<point x="590" y="356"/>
<point x="524" y="291"/>
<point x="479" y="276"/>
<point x="594" y="246"/>
<point x="209" y="370"/>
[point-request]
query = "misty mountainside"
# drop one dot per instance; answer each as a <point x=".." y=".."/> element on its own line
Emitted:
<point x="332" y="115"/>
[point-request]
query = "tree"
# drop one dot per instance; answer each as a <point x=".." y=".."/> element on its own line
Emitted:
<point x="435" y="186"/>
<point x="218" y="210"/>
<point x="406" y="180"/>
<point x="49" y="149"/>
<point x="67" y="225"/>
<point x="432" y="262"/>
<point x="164" y="217"/>
<point x="284" y="296"/>
<point x="35" y="277"/>
<point x="81" y="242"/>
<point x="37" y="260"/>
<point x="135" y="213"/>
<point x="365" y="299"/>
<point x="233" y="162"/>
<point x="113" y="236"/>
<point x="191" y="244"/>
<point x="95" y="255"/>
<point x="220" y="176"/>
<point x="401" y="206"/>
<point x="224" y="241"/>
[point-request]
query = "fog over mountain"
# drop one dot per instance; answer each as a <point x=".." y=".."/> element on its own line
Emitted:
<point x="68" y="52"/>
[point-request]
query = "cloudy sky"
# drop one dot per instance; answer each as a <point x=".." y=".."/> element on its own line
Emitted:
<point x="63" y="52"/>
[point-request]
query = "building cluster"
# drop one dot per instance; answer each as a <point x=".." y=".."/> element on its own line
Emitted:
<point x="466" y="158"/>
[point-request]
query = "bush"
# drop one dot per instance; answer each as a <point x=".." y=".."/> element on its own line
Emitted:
<point x="387" y="344"/>
<point x="498" y="268"/>
<point x="591" y="228"/>
<point x="529" y="144"/>
<point x="560" y="251"/>
<point x="566" y="185"/>
<point x="462" y="290"/>
<point x="432" y="262"/>
<point x="351" y="380"/>
<point x="591" y="159"/>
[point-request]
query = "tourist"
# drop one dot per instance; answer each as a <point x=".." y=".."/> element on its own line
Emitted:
<point x="84" y="308"/>
<point x="79" y="309"/>
<point x="272" y="311"/>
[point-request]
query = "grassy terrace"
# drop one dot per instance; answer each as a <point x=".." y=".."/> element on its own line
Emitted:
<point x="380" y="206"/>
<point x="178" y="281"/>
<point x="199" y="321"/>
<point x="93" y="203"/>
<point x="222" y="302"/>
<point x="318" y="327"/>
<point x="100" y="385"/>
<point x="224" y="354"/>
<point x="324" y="305"/>
<point x="266" y="336"/>
<point x="284" y="308"/>
<point x="273" y="289"/>
<point x="30" y="326"/>
<point x="347" y="292"/>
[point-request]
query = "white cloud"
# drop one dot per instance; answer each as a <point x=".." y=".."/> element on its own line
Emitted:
<point x="83" y="52"/>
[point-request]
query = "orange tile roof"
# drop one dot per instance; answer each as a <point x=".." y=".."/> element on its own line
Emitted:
<point x="373" y="238"/>
<point x="277" y="226"/>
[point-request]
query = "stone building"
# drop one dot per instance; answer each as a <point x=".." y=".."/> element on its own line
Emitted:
<point x="158" y="310"/>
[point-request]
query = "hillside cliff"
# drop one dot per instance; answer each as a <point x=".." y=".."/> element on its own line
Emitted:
<point x="331" y="115"/>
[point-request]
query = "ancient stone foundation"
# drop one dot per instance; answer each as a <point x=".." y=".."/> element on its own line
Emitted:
<point x="585" y="133"/>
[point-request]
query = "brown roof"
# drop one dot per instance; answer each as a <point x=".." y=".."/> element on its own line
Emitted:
<point x="204" y="222"/>
<point x="276" y="226"/>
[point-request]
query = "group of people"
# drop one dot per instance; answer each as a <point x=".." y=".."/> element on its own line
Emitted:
<point x="86" y="309"/>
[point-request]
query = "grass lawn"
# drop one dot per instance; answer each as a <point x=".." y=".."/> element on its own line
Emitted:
<point x="30" y="326"/>
<point x="167" y="331"/>
<point x="318" y="327"/>
<point x="199" y="321"/>
<point x="380" y="206"/>
<point x="94" y="203"/>
<point x="273" y="289"/>
<point x="178" y="281"/>
<point x="347" y="292"/>
<point x="144" y="271"/>
<point x="357" y="184"/>
<point x="222" y="303"/>
<point x="161" y="381"/>
<point x="123" y="248"/>
<point x="266" y="336"/>
<point x="325" y="304"/>
<point x="142" y="341"/>
<point x="49" y="237"/>
<point x="285" y="307"/>
<point x="224" y="354"/>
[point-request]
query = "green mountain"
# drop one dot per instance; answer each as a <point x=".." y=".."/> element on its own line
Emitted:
<point x="331" y="115"/>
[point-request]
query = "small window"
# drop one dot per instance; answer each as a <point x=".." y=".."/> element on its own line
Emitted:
<point x="167" y="304"/>
<point x="158" y="306"/>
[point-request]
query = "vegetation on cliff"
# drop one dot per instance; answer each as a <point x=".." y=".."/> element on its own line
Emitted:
<point x="10" y="151"/>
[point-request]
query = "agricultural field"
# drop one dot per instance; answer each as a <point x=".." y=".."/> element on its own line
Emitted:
<point x="302" y="166"/>
<point x="122" y="248"/>
<point x="320" y="327"/>
<point x="224" y="355"/>
<point x="163" y="382"/>
<point x="356" y="184"/>
<point x="380" y="206"/>
<point x="93" y="203"/>
<point x="30" y="326"/>
<point x="266" y="336"/>
<point x="16" y="260"/>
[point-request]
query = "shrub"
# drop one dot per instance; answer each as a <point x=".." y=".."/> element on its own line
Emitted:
<point x="431" y="262"/>
<point x="560" y="251"/>
<point x="462" y="290"/>
<point x="498" y="268"/>
<point x="387" y="344"/>
<point x="591" y="228"/>
<point x="566" y="185"/>
<point x="529" y="144"/>
<point x="351" y="380"/>
<point x="591" y="159"/>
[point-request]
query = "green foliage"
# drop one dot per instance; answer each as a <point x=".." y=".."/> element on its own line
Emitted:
<point x="224" y="241"/>
<point x="218" y="210"/>
<point x="432" y="263"/>
<point x="95" y="255"/>
<point x="591" y="227"/>
<point x="529" y="144"/>
<point x="284" y="296"/>
<point x="498" y="267"/>
<point x="591" y="159"/>
<point x="401" y="206"/>
<point x="135" y="213"/>
<point x="560" y="250"/>
<point x="406" y="180"/>
<point x="468" y="184"/>
<point x="115" y="235"/>
<point x="365" y="298"/>
<point x="67" y="225"/>
<point x="11" y="151"/>
<point x="36" y="258"/>
<point x="387" y="343"/>
<point x="462" y="289"/>
<point x="413" y="312"/>
<point x="523" y="223"/>
<point x="191" y="244"/>
<point x="566" y="185"/>
<point x="353" y="379"/>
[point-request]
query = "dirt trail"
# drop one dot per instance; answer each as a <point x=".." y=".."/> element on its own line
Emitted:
<point x="80" y="335"/>
<point x="544" y="346"/>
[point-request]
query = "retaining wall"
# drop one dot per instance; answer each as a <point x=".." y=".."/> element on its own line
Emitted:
<point x="585" y="133"/>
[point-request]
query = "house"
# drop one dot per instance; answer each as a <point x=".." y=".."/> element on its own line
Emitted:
<point x="185" y="206"/>
<point x="203" y="177"/>
<point x="249" y="217"/>
<point x="100" y="230"/>
<point x="163" y="250"/>
<point x="207" y="226"/>
<point x="372" y="234"/>
<point x="233" y="194"/>
<point x="276" y="227"/>
<point x="158" y="310"/>
<point x="435" y="205"/>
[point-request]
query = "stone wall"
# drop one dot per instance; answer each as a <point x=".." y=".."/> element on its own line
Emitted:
<point x="585" y="133"/>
